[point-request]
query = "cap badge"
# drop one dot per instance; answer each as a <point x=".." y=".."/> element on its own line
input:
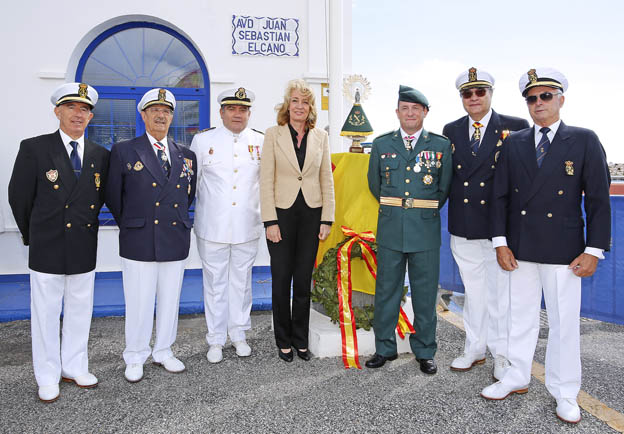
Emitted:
<point x="52" y="175"/>
<point x="162" y="95"/>
<point x="532" y="76"/>
<point x="472" y="74"/>
<point x="240" y="93"/>
<point x="82" y="91"/>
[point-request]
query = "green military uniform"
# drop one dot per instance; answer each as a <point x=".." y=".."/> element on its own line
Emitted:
<point x="419" y="182"/>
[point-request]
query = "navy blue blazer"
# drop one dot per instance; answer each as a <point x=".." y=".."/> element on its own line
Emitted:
<point x="471" y="188"/>
<point x="151" y="209"/>
<point x="56" y="213"/>
<point x="539" y="210"/>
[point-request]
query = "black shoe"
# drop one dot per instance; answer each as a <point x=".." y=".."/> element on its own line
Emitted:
<point x="303" y="355"/>
<point x="377" y="361"/>
<point x="428" y="366"/>
<point x="287" y="357"/>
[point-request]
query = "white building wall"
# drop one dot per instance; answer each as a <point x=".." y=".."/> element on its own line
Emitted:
<point x="42" y="43"/>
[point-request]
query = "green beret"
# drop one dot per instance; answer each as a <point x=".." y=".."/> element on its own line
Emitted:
<point x="409" y="94"/>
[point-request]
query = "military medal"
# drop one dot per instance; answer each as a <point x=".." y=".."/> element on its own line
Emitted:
<point x="499" y="143"/>
<point x="438" y="157"/>
<point x="427" y="179"/>
<point x="417" y="165"/>
<point x="496" y="157"/>
<point x="569" y="168"/>
<point x="129" y="166"/>
<point x="250" y="149"/>
<point x="189" y="190"/>
<point x="97" y="180"/>
<point x="383" y="156"/>
<point x="393" y="155"/>
<point x="138" y="166"/>
<point x="387" y="177"/>
<point x="52" y="175"/>
<point x="258" y="152"/>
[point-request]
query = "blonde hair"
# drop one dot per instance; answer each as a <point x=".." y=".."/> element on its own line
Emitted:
<point x="283" y="115"/>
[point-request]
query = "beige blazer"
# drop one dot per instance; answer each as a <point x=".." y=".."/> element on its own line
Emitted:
<point x="281" y="179"/>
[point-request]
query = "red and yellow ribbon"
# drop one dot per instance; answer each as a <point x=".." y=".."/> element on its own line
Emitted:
<point x="347" y="319"/>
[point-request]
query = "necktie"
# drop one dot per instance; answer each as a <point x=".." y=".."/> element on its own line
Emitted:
<point x="542" y="146"/>
<point x="162" y="158"/>
<point x="75" y="159"/>
<point x="476" y="138"/>
<point x="408" y="143"/>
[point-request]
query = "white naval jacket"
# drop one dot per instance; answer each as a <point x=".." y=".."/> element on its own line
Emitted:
<point x="227" y="207"/>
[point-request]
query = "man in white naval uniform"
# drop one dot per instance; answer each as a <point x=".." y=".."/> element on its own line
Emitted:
<point x="227" y="220"/>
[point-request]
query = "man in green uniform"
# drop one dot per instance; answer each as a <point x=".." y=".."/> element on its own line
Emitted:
<point x="410" y="174"/>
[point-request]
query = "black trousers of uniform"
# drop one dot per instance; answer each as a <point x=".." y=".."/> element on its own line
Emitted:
<point x="292" y="259"/>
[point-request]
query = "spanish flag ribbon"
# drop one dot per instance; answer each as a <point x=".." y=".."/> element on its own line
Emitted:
<point x="345" y="309"/>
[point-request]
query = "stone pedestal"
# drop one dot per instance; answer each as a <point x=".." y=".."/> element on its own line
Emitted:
<point x="325" y="339"/>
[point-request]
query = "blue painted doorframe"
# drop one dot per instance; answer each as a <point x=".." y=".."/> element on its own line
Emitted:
<point x="602" y="294"/>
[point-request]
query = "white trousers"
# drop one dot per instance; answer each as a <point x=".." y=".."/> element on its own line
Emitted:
<point x="227" y="288"/>
<point x="486" y="302"/>
<point x="562" y="294"/>
<point x="49" y="294"/>
<point x="146" y="283"/>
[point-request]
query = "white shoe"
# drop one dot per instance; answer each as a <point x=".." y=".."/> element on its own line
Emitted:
<point x="215" y="353"/>
<point x="568" y="410"/>
<point x="500" y="367"/>
<point x="86" y="381"/>
<point x="242" y="348"/>
<point x="134" y="372"/>
<point x="498" y="391"/>
<point x="172" y="365"/>
<point x="465" y="362"/>
<point x="49" y="394"/>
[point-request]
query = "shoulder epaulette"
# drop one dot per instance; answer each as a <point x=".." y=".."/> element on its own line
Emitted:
<point x="206" y="129"/>
<point x="258" y="131"/>
<point x="385" y="134"/>
<point x="439" y="135"/>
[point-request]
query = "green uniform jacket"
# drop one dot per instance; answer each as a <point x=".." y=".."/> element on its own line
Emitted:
<point x="391" y="173"/>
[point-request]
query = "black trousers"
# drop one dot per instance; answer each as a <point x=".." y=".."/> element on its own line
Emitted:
<point x="292" y="259"/>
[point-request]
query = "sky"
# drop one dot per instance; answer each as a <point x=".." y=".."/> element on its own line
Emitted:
<point x="426" y="45"/>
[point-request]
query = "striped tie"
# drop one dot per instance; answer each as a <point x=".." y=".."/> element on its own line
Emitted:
<point x="162" y="158"/>
<point x="75" y="159"/>
<point x="542" y="146"/>
<point x="476" y="138"/>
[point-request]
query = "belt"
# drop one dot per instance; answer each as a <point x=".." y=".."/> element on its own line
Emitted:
<point x="408" y="202"/>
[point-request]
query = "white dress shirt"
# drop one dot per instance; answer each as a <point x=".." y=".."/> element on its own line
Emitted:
<point x="484" y="121"/>
<point x="162" y="142"/>
<point x="80" y="148"/>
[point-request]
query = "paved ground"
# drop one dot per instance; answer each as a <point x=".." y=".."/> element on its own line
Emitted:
<point x="263" y="394"/>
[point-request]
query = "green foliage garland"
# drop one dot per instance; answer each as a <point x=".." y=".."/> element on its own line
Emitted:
<point x="325" y="289"/>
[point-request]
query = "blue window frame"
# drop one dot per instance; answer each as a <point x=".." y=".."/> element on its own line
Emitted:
<point x="126" y="61"/>
<point x="129" y="59"/>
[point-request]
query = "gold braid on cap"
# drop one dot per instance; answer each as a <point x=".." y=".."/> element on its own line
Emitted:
<point x="472" y="74"/>
<point x="82" y="91"/>
<point x="532" y="76"/>
<point x="240" y="93"/>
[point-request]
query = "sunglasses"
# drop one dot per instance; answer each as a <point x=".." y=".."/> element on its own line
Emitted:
<point x="480" y="92"/>
<point x="546" y="96"/>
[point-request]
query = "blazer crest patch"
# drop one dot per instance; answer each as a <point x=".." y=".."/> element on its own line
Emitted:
<point x="52" y="175"/>
<point x="138" y="166"/>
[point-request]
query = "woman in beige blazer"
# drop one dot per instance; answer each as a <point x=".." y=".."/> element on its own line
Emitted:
<point x="297" y="205"/>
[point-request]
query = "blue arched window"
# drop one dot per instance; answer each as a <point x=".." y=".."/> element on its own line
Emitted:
<point x="126" y="61"/>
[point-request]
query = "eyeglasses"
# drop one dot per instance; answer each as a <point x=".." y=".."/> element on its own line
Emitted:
<point x="157" y="110"/>
<point x="480" y="92"/>
<point x="546" y="96"/>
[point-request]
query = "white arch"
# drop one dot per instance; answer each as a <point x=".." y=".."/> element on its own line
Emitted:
<point x="96" y="31"/>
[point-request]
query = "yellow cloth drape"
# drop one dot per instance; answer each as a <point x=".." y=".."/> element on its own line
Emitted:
<point x="356" y="208"/>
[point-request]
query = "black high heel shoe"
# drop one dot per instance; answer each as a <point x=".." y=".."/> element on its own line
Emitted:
<point x="287" y="357"/>
<point x="303" y="355"/>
